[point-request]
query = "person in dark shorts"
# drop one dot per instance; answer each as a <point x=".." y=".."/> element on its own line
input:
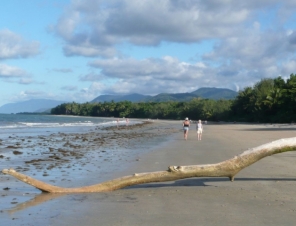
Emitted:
<point x="186" y="125"/>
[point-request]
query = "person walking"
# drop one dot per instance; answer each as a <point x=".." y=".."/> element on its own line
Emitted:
<point x="186" y="125"/>
<point x="199" y="129"/>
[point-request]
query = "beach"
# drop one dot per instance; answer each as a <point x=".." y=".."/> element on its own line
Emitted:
<point x="261" y="194"/>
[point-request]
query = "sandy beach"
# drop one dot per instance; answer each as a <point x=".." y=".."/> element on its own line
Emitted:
<point x="262" y="194"/>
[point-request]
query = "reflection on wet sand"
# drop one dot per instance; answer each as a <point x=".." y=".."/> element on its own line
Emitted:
<point x="37" y="200"/>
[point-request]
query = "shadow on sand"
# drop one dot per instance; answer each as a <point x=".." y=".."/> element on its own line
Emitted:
<point x="275" y="129"/>
<point x="45" y="197"/>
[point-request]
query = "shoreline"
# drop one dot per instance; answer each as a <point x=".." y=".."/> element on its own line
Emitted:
<point x="73" y="159"/>
<point x="261" y="194"/>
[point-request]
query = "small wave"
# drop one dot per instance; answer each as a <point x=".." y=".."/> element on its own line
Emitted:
<point x="51" y="125"/>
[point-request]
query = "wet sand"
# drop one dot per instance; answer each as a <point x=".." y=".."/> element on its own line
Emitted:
<point x="262" y="194"/>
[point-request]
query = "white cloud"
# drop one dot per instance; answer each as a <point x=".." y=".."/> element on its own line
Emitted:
<point x="246" y="47"/>
<point x="62" y="70"/>
<point x="69" y="88"/>
<point x="89" y="26"/>
<point x="27" y="95"/>
<point x="289" y="67"/>
<point x="15" y="75"/>
<point x="244" y="51"/>
<point x="7" y="71"/>
<point x="167" y="68"/>
<point x="38" y="94"/>
<point x="153" y="76"/>
<point x="258" y="54"/>
<point x="14" y="46"/>
<point x="88" y="94"/>
<point x="93" y="77"/>
<point x="88" y="50"/>
<point x="26" y="81"/>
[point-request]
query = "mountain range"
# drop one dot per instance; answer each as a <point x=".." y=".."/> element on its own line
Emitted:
<point x="44" y="105"/>
<point x="34" y="105"/>
<point x="205" y="93"/>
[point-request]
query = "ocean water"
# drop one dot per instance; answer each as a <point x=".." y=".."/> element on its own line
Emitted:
<point x="49" y="148"/>
<point x="31" y="123"/>
<point x="66" y="151"/>
<point x="29" y="137"/>
<point x="20" y="121"/>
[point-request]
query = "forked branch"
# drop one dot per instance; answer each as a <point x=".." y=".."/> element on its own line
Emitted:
<point x="228" y="168"/>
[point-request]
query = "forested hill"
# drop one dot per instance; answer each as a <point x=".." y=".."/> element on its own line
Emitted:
<point x="215" y="93"/>
<point x="205" y="93"/>
<point x="269" y="100"/>
<point x="135" y="97"/>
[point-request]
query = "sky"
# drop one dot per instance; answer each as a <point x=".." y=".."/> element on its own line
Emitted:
<point x="76" y="50"/>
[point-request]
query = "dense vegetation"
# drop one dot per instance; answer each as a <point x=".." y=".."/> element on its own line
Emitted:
<point x="270" y="100"/>
<point x="194" y="109"/>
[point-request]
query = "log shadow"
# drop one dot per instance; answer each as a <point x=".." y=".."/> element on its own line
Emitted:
<point x="202" y="182"/>
<point x="192" y="182"/>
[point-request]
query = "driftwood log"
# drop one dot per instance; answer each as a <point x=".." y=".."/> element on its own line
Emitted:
<point x="228" y="168"/>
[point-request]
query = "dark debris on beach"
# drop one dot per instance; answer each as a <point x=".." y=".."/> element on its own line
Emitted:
<point x="59" y="149"/>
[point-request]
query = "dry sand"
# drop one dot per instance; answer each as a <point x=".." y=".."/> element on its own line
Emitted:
<point x="262" y="194"/>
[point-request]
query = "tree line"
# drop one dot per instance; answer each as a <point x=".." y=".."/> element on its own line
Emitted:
<point x="269" y="100"/>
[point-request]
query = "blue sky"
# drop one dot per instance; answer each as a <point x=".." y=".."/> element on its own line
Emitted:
<point x="77" y="50"/>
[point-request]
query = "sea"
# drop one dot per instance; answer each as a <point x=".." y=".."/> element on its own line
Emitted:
<point x="29" y="141"/>
<point x="38" y="123"/>
<point x="28" y="137"/>
<point x="43" y="147"/>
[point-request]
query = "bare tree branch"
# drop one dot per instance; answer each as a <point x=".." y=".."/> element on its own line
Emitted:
<point x="228" y="168"/>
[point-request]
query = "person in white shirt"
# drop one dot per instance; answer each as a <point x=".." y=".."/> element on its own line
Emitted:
<point x="199" y="129"/>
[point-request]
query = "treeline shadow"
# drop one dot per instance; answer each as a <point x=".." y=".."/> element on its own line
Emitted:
<point x="269" y="129"/>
